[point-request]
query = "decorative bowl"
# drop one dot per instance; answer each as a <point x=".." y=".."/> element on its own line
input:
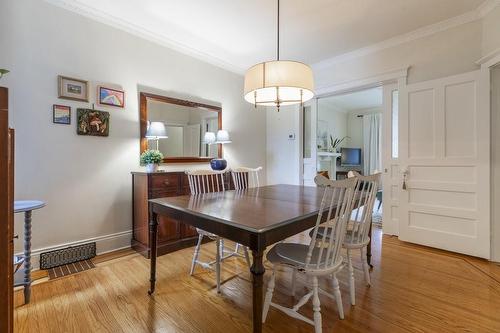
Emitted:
<point x="218" y="164"/>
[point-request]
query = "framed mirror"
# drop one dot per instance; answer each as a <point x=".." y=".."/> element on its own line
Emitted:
<point x="185" y="123"/>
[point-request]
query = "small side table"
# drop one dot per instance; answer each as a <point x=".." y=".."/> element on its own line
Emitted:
<point x="26" y="207"/>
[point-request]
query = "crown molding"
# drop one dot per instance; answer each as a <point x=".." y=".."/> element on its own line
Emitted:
<point x="490" y="59"/>
<point x="485" y="8"/>
<point x="361" y="83"/>
<point x="80" y="8"/>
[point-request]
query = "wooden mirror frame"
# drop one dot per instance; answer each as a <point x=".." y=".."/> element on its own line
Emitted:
<point x="143" y="114"/>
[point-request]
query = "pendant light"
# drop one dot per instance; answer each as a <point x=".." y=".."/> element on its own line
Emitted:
<point x="279" y="82"/>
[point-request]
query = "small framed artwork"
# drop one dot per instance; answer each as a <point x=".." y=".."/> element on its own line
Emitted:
<point x="92" y="122"/>
<point x="74" y="89"/>
<point x="111" y="97"/>
<point x="61" y="114"/>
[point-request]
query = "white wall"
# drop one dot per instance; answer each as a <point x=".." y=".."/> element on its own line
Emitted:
<point x="491" y="32"/>
<point x="283" y="154"/>
<point x="445" y="53"/>
<point x="335" y="121"/>
<point x="355" y="127"/>
<point x="86" y="181"/>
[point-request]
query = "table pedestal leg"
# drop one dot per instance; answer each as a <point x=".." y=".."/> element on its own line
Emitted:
<point x="27" y="256"/>
<point x="257" y="270"/>
<point x="153" y="239"/>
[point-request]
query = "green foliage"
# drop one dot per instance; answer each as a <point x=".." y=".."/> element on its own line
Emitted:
<point x="2" y="72"/>
<point x="335" y="143"/>
<point x="151" y="156"/>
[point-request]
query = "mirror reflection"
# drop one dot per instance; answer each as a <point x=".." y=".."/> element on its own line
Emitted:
<point x="184" y="129"/>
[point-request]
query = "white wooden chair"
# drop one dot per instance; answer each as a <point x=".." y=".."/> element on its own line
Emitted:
<point x="357" y="236"/>
<point x="322" y="257"/>
<point x="244" y="177"/>
<point x="208" y="181"/>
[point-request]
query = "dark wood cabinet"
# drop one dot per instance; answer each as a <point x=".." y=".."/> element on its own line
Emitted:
<point x="172" y="234"/>
<point x="6" y="216"/>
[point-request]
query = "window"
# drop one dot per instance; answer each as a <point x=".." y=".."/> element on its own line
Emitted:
<point x="395" y="132"/>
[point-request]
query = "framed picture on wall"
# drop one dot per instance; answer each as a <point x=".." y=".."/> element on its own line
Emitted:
<point x="61" y="114"/>
<point x="74" y="89"/>
<point x="92" y="122"/>
<point x="111" y="97"/>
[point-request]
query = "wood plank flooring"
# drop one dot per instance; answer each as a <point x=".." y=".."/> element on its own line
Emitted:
<point x="414" y="289"/>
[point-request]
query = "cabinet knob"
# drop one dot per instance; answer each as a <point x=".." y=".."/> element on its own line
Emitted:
<point x="166" y="182"/>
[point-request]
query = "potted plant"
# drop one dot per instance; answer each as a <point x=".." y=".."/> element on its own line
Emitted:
<point x="151" y="159"/>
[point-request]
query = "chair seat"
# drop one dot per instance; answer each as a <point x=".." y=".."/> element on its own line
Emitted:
<point x="348" y="241"/>
<point x="293" y="254"/>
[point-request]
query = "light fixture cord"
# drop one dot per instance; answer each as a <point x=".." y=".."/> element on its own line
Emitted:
<point x="278" y="33"/>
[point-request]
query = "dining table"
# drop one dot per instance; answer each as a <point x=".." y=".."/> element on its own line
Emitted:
<point x="254" y="217"/>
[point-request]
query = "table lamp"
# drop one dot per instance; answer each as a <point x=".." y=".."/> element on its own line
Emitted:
<point x="222" y="137"/>
<point x="156" y="131"/>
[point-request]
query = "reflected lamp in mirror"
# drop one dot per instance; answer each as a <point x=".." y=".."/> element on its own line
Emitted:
<point x="209" y="138"/>
<point x="223" y="137"/>
<point x="219" y="164"/>
<point x="156" y="130"/>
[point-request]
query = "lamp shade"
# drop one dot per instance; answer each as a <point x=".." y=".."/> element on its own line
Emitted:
<point x="279" y="83"/>
<point x="156" y="130"/>
<point x="209" y="138"/>
<point x="223" y="137"/>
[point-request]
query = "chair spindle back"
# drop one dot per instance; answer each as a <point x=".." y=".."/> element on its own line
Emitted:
<point x="366" y="192"/>
<point x="206" y="181"/>
<point x="244" y="178"/>
<point x="337" y="202"/>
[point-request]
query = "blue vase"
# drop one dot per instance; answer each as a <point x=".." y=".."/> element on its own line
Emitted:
<point x="218" y="164"/>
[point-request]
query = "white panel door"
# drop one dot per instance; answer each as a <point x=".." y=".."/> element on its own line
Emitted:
<point x="390" y="176"/>
<point x="444" y="153"/>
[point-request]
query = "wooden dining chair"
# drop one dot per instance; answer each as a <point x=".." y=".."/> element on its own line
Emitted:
<point x="244" y="177"/>
<point x="322" y="257"/>
<point x="357" y="235"/>
<point x="208" y="181"/>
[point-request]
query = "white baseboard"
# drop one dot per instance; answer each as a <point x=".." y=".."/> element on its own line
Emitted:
<point x="104" y="244"/>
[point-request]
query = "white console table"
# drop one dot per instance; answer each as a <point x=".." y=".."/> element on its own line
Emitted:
<point x="331" y="158"/>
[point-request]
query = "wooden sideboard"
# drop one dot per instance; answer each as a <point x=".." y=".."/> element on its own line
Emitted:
<point x="172" y="234"/>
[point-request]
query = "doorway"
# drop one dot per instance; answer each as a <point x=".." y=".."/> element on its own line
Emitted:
<point x="356" y="130"/>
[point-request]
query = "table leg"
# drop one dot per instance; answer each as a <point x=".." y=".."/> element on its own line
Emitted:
<point x="257" y="270"/>
<point x="369" y="247"/>
<point x="27" y="256"/>
<point x="153" y="244"/>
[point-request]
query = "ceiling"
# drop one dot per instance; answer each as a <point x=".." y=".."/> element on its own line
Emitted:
<point x="356" y="101"/>
<point x="236" y="34"/>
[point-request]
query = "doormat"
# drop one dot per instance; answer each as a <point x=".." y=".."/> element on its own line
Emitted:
<point x="68" y="269"/>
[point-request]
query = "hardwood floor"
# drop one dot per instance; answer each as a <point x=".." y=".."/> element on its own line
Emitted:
<point x="414" y="289"/>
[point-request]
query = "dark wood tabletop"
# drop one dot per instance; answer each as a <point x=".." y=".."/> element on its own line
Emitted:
<point x="256" y="218"/>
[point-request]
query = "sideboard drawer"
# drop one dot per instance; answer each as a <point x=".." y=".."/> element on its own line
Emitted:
<point x="165" y="182"/>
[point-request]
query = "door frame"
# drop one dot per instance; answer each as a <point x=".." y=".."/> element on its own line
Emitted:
<point x="487" y="63"/>
<point x="397" y="77"/>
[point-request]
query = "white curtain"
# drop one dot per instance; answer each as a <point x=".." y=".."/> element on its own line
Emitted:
<point x="372" y="143"/>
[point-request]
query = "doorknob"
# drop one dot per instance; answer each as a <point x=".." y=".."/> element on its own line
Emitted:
<point x="405" y="174"/>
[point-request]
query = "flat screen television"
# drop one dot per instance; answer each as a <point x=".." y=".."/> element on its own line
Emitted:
<point x="350" y="156"/>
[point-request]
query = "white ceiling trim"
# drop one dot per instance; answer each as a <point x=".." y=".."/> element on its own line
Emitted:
<point x="366" y="82"/>
<point x="115" y="22"/>
<point x="81" y="8"/>
<point x="456" y="21"/>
